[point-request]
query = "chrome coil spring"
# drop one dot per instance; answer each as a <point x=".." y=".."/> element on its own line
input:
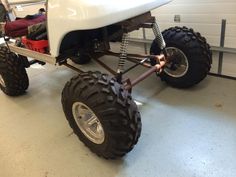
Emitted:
<point x="159" y="37"/>
<point x="123" y="52"/>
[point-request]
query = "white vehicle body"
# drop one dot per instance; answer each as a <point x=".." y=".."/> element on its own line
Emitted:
<point x="66" y="16"/>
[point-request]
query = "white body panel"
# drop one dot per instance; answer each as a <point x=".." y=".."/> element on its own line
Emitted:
<point x="66" y="16"/>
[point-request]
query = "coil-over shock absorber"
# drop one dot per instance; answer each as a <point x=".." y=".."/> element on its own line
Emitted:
<point x="159" y="40"/>
<point x="159" y="37"/>
<point x="123" y="56"/>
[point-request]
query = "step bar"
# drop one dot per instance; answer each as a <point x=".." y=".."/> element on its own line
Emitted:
<point x="32" y="54"/>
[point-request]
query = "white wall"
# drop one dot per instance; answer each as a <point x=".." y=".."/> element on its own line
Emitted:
<point x="202" y="15"/>
<point x="25" y="10"/>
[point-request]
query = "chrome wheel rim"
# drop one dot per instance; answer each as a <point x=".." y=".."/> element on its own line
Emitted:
<point x="2" y="82"/>
<point x="178" y="65"/>
<point x="88" y="123"/>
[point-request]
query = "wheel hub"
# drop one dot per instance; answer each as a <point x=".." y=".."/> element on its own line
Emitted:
<point x="2" y="82"/>
<point x="178" y="62"/>
<point x="88" y="123"/>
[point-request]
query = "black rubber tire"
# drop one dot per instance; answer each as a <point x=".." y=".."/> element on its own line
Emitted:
<point x="13" y="73"/>
<point x="197" y="51"/>
<point x="81" y="59"/>
<point x="112" y="105"/>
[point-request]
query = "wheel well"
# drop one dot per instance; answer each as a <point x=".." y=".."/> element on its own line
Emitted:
<point x="70" y="43"/>
<point x="78" y="40"/>
<point x="85" y="40"/>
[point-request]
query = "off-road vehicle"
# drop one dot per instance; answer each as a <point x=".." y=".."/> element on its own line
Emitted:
<point x="99" y="107"/>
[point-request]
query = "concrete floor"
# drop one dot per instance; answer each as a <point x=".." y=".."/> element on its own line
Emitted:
<point x="186" y="133"/>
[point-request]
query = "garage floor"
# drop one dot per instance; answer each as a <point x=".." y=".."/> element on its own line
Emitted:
<point x="186" y="133"/>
